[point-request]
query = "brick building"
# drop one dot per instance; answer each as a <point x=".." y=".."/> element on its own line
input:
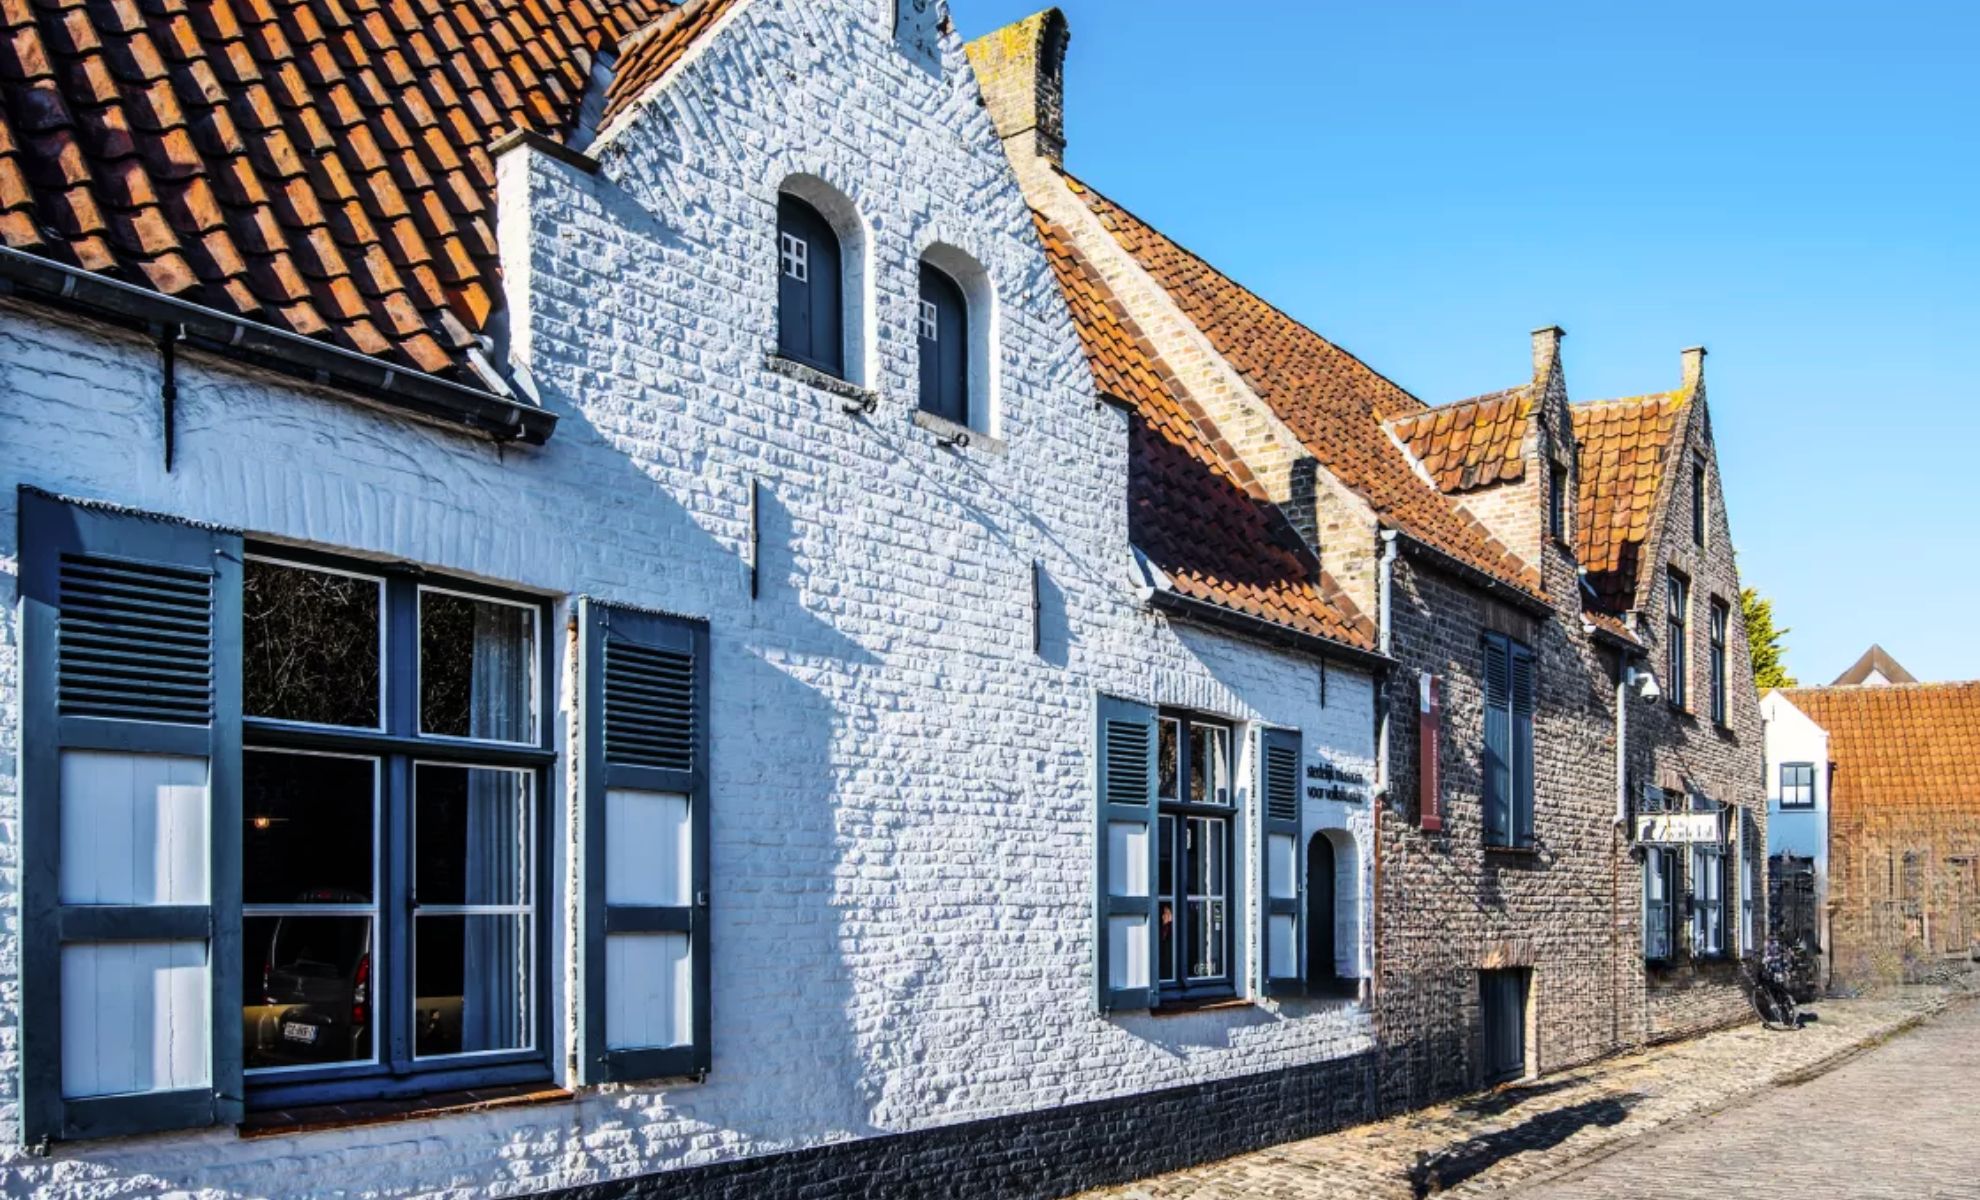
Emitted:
<point x="577" y="612"/>
<point x="1517" y="746"/>
<point x="1879" y="780"/>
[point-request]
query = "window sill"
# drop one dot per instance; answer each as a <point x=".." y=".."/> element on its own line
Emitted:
<point x="1514" y="852"/>
<point x="1183" y="1008"/>
<point x="357" y="1113"/>
<point x="864" y="399"/>
<point x="959" y="436"/>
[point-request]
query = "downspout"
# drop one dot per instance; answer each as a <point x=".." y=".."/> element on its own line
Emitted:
<point x="1616" y="845"/>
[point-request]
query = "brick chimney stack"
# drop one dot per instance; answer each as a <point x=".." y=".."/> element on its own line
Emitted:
<point x="1546" y="349"/>
<point x="1022" y="69"/>
<point x="1694" y="366"/>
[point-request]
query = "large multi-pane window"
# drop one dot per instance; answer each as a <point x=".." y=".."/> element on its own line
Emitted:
<point x="1660" y="883"/>
<point x="1677" y="601"/>
<point x="1721" y="624"/>
<point x="1510" y="693"/>
<point x="391" y="776"/>
<point x="1708" y="900"/>
<point x="1194" y="858"/>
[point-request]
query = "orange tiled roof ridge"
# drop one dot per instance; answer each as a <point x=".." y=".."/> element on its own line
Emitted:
<point x="1195" y="509"/>
<point x="320" y="166"/>
<point x="1336" y="404"/>
<point x="1473" y="443"/>
<point x="1625" y="447"/>
<point x="1904" y="746"/>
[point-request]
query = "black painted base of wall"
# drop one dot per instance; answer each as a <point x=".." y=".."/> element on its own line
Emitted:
<point x="1043" y="1155"/>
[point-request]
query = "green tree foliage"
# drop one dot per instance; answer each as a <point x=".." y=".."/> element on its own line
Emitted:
<point x="1763" y="641"/>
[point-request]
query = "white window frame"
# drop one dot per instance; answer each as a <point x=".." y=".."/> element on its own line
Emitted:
<point x="794" y="255"/>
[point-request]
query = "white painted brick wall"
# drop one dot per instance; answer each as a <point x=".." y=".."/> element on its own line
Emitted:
<point x="901" y="790"/>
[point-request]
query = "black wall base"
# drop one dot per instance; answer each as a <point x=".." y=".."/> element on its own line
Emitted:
<point x="1042" y="1155"/>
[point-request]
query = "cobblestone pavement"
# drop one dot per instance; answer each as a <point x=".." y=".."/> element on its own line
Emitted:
<point x="1900" y="1121"/>
<point x="1542" y="1130"/>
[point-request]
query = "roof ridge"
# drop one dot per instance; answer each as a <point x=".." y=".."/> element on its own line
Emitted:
<point x="1677" y="393"/>
<point x="1079" y="183"/>
<point x="1876" y="688"/>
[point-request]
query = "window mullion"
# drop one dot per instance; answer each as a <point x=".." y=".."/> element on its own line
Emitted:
<point x="393" y="1005"/>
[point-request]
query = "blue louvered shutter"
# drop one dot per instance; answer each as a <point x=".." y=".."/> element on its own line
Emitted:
<point x="1282" y="907"/>
<point x="130" y="930"/>
<point x="1126" y="829"/>
<point x="644" y="829"/>
<point x="1498" y="742"/>
<point x="1522" y="709"/>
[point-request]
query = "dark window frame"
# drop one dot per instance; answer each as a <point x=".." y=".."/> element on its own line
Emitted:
<point x="1720" y="634"/>
<point x="820" y="290"/>
<point x="1661" y="862"/>
<point x="1172" y="815"/>
<point x="1788" y="788"/>
<point x="1521" y="831"/>
<point x="1701" y="490"/>
<point x="399" y="749"/>
<point x="1557" y="502"/>
<point x="1677" y="632"/>
<point x="1708" y="866"/>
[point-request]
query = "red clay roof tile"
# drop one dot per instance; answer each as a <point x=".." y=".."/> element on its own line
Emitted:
<point x="1625" y="445"/>
<point x="197" y="148"/>
<point x="1194" y="508"/>
<point x="1898" y="750"/>
<point x="1335" y="403"/>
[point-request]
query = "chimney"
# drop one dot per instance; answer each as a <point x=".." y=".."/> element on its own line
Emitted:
<point x="1021" y="69"/>
<point x="1694" y="366"/>
<point x="1546" y="349"/>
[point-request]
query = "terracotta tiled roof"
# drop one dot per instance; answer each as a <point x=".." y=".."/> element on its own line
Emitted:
<point x="653" y="51"/>
<point x="1471" y="444"/>
<point x="1625" y="445"/>
<point x="1335" y="403"/>
<point x="1195" y="509"/>
<point x="1904" y="748"/>
<point x="320" y="166"/>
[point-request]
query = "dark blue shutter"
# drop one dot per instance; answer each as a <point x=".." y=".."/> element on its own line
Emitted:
<point x="131" y="647"/>
<point x="1523" y="685"/>
<point x="1126" y="829"/>
<point x="1498" y="741"/>
<point x="945" y="355"/>
<point x="810" y="303"/>
<point x="644" y="738"/>
<point x="1281" y="941"/>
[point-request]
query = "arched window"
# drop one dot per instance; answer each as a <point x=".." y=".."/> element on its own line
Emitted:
<point x="810" y="288"/>
<point x="945" y="346"/>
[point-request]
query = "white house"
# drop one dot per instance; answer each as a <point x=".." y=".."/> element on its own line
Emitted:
<point x="528" y="669"/>
<point x="1798" y="802"/>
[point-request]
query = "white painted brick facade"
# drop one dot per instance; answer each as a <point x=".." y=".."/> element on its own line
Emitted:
<point x="902" y="794"/>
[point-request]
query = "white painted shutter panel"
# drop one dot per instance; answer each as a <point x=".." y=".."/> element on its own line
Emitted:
<point x="1281" y="907"/>
<point x="131" y="823"/>
<point x="643" y="783"/>
<point x="1125" y="851"/>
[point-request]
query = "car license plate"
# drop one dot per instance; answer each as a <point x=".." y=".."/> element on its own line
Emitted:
<point x="296" y="1031"/>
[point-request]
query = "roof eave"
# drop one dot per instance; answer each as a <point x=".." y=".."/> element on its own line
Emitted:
<point x="1230" y="620"/>
<point x="1486" y="582"/>
<point x="405" y="390"/>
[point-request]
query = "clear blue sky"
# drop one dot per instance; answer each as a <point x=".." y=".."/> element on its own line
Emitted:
<point x="1794" y="185"/>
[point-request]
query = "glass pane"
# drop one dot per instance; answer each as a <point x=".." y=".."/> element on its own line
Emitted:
<point x="309" y="828"/>
<point x="1209" y="764"/>
<point x="1169" y="755"/>
<point x="471" y="984"/>
<point x="309" y="645"/>
<point x="471" y="833"/>
<point x="477" y="668"/>
<point x="1165" y="892"/>
<point x="1206" y="927"/>
<point x="308" y="991"/>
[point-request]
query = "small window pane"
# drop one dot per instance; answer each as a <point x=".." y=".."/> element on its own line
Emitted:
<point x="310" y="821"/>
<point x="471" y="836"/>
<point x="310" y="645"/>
<point x="1169" y="756"/>
<point x="477" y="668"/>
<point x="309" y="990"/>
<point x="1209" y="765"/>
<point x="1204" y="884"/>
<point x="1166" y="894"/>
<point x="471" y="983"/>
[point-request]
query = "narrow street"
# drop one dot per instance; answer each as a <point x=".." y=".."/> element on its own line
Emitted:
<point x="1874" y="1098"/>
<point x="1899" y="1121"/>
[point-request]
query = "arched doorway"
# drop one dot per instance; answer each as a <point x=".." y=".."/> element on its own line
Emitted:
<point x="1320" y="898"/>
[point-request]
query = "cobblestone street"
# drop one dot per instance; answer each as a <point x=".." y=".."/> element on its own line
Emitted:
<point x="1839" y="1114"/>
